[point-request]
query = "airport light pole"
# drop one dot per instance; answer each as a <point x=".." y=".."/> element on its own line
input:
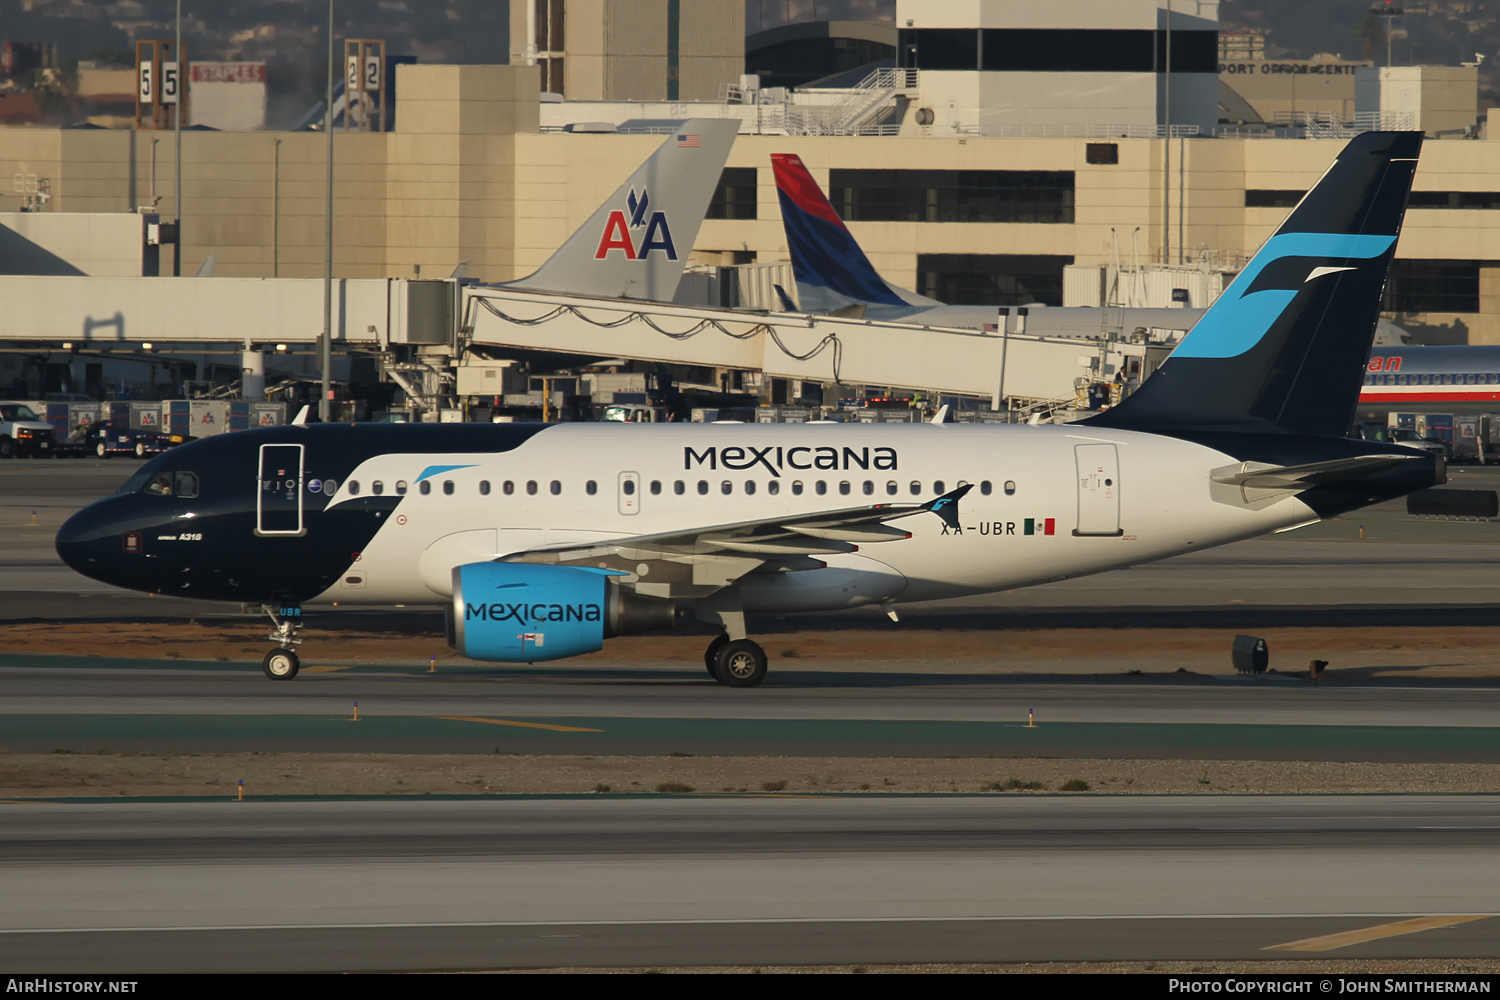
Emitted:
<point x="177" y="142"/>
<point x="325" y="346"/>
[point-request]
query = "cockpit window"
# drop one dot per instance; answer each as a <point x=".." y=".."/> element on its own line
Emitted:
<point x="186" y="484"/>
<point x="134" y="483"/>
<point x="160" y="484"/>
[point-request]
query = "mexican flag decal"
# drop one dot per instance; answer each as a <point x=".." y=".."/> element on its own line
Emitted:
<point x="1041" y="526"/>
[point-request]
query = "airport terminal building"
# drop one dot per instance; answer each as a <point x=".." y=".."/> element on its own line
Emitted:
<point x="1003" y="154"/>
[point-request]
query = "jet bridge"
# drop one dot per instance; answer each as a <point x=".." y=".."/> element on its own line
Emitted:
<point x="788" y="345"/>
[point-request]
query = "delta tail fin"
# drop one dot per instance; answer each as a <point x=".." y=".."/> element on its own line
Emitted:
<point x="1284" y="348"/>
<point x="636" y="244"/>
<point x="831" y="270"/>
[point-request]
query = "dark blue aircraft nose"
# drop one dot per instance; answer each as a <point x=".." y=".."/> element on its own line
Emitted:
<point x="83" y="543"/>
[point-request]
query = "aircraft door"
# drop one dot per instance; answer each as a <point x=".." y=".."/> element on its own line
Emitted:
<point x="630" y="492"/>
<point x="1098" y="490"/>
<point x="278" y="496"/>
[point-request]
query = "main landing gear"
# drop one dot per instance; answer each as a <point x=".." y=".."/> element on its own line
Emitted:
<point x="739" y="663"/>
<point x="281" y="664"/>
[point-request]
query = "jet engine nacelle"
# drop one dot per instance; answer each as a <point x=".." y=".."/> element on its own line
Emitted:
<point x="525" y="613"/>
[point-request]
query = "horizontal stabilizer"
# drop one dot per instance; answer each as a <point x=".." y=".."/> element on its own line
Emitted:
<point x="1261" y="476"/>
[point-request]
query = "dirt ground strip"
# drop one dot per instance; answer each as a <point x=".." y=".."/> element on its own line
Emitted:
<point x="66" y="774"/>
<point x="1324" y="967"/>
<point x="1352" y="653"/>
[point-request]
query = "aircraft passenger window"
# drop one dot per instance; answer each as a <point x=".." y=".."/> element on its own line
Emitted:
<point x="354" y="487"/>
<point x="1010" y="487"/>
<point x="749" y="487"/>
<point x="484" y="487"/>
<point x="1369" y="380"/>
<point x="1471" y="379"/>
<point x="656" y="487"/>
<point x="186" y="484"/>
<point x="891" y="488"/>
<point x="773" y="487"/>
<point x="377" y="487"/>
<point x="401" y="487"/>
<point x="820" y="488"/>
<point x="591" y="487"/>
<point x="703" y="487"/>
<point x="508" y="488"/>
<point x="679" y="487"/>
<point x="1425" y="379"/>
<point x="1400" y="379"/>
<point x="916" y="488"/>
<point x="1492" y="379"/>
<point x="726" y="487"/>
<point x="447" y="487"/>
<point x="160" y="485"/>
<point x="531" y="487"/>
<point x="1447" y="380"/>
<point x="937" y="486"/>
<point x="556" y="488"/>
<point x="985" y="487"/>
<point x="424" y="487"/>
<point x="628" y="487"/>
<point x="797" y="487"/>
<point x="844" y="488"/>
<point x="869" y="488"/>
<point x="330" y="486"/>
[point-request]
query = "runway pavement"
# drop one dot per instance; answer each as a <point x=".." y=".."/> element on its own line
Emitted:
<point x="143" y="886"/>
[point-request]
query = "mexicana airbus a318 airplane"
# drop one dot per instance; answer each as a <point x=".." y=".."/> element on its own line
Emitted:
<point x="542" y="541"/>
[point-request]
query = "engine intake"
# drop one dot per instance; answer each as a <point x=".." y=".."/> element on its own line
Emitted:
<point x="525" y="613"/>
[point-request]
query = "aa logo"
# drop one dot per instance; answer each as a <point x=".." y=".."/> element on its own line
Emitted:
<point x="620" y="230"/>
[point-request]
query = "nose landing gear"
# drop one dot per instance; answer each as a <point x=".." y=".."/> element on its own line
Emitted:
<point x="281" y="664"/>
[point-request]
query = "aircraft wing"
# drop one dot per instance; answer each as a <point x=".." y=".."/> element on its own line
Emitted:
<point x="695" y="561"/>
<point x="1259" y="475"/>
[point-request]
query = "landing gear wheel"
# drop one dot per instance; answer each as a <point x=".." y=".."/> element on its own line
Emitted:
<point x="281" y="664"/>
<point x="100" y="450"/>
<point x="740" y="663"/>
<point x="711" y="654"/>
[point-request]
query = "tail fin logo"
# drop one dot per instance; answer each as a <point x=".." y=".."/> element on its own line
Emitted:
<point x="1255" y="300"/>
<point x="618" y="225"/>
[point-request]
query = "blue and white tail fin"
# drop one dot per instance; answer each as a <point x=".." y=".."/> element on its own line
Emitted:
<point x="1284" y="348"/>
<point x="832" y="271"/>
<point x="636" y="244"/>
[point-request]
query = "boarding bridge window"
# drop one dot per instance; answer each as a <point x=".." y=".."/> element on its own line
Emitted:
<point x="1058" y="50"/>
<point x="736" y="196"/>
<point x="1044" y="196"/>
<point x="1450" y="286"/>
<point x="424" y="488"/>
<point x="980" y="279"/>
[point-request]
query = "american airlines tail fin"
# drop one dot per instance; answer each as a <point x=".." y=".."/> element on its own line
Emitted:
<point x="831" y="270"/>
<point x="1284" y="347"/>
<point x="635" y="245"/>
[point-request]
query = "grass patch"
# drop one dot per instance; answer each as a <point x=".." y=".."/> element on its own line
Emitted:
<point x="1015" y="785"/>
<point x="674" y="788"/>
<point x="1075" y="785"/>
<point x="601" y="787"/>
<point x="773" y="786"/>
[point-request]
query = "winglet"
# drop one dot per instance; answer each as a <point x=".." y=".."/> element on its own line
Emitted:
<point x="946" y="506"/>
<point x="300" y="420"/>
<point x="940" y="416"/>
